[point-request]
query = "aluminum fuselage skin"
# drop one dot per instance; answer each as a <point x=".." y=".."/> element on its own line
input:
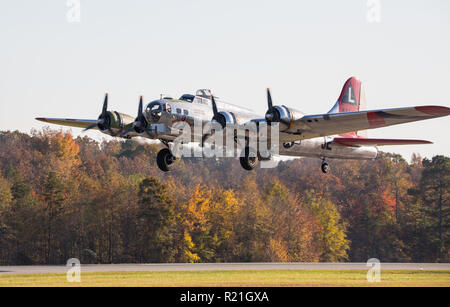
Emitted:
<point x="200" y="110"/>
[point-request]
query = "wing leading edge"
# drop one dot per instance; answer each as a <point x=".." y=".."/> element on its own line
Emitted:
<point x="78" y="123"/>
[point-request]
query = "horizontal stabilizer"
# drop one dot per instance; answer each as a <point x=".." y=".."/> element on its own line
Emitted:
<point x="357" y="142"/>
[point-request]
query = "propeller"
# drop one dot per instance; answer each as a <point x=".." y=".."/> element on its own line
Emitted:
<point x="271" y="114"/>
<point x="103" y="122"/>
<point x="269" y="99"/>
<point x="140" y="123"/>
<point x="216" y="118"/>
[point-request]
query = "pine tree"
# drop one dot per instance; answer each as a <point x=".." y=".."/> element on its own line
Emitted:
<point x="157" y="221"/>
<point x="434" y="192"/>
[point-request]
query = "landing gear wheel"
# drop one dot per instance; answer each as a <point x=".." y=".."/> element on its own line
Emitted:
<point x="248" y="159"/>
<point x="165" y="159"/>
<point x="325" y="167"/>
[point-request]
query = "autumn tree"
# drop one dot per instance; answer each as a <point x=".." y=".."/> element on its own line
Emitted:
<point x="251" y="220"/>
<point x="107" y="201"/>
<point x="291" y="228"/>
<point x="198" y="224"/>
<point x="332" y="230"/>
<point x="54" y="197"/>
<point x="399" y="177"/>
<point x="222" y="219"/>
<point x="19" y="218"/>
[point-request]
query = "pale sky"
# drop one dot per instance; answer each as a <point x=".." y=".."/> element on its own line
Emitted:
<point x="303" y="50"/>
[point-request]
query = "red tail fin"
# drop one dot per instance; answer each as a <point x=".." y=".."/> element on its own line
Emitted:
<point x="352" y="99"/>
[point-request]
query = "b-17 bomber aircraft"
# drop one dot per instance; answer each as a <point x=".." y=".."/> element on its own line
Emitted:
<point x="337" y="134"/>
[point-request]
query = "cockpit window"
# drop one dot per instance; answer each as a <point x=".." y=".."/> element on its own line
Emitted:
<point x="203" y="93"/>
<point x="187" y="97"/>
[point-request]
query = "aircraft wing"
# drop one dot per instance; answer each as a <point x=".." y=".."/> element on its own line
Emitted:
<point x="79" y="123"/>
<point x="311" y="126"/>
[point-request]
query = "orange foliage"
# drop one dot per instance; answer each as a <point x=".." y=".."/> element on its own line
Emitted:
<point x="197" y="208"/>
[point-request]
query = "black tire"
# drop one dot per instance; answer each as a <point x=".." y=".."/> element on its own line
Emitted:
<point x="165" y="159"/>
<point x="249" y="159"/>
<point x="325" y="168"/>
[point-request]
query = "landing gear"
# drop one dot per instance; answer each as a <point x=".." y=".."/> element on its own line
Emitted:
<point x="248" y="159"/>
<point x="325" y="167"/>
<point x="165" y="159"/>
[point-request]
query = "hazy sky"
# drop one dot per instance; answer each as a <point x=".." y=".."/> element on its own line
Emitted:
<point x="303" y="50"/>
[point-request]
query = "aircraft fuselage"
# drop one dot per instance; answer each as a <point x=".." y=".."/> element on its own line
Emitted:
<point x="199" y="110"/>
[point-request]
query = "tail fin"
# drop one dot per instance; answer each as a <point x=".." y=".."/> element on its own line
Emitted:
<point x="352" y="99"/>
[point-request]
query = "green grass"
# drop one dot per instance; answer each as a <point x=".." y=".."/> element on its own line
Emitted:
<point x="234" y="279"/>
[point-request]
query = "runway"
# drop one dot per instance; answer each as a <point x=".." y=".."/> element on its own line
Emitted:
<point x="35" y="269"/>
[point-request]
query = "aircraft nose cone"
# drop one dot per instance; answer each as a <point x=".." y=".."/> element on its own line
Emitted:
<point x="269" y="116"/>
<point x="154" y="111"/>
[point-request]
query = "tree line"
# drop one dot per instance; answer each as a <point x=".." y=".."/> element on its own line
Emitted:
<point x="107" y="202"/>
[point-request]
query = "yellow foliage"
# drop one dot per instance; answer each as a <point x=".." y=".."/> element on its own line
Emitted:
<point x="198" y="206"/>
<point x="64" y="151"/>
<point x="277" y="251"/>
<point x="191" y="257"/>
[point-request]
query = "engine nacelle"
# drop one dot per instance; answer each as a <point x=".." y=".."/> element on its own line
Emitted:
<point x="115" y="122"/>
<point x="283" y="115"/>
<point x="227" y="118"/>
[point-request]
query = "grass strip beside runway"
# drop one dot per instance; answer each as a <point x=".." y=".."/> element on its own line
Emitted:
<point x="234" y="278"/>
